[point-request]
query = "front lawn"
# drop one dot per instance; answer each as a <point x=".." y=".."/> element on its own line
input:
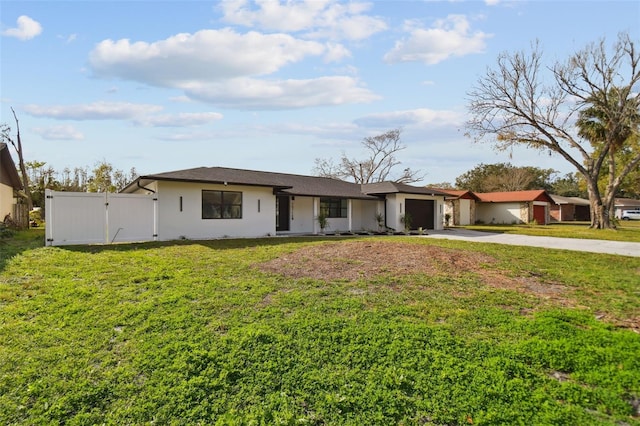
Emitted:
<point x="346" y="331"/>
<point x="626" y="230"/>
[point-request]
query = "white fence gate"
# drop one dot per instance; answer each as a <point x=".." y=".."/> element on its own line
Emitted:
<point x="99" y="218"/>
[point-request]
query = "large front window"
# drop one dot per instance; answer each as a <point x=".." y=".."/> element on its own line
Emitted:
<point x="221" y="205"/>
<point x="333" y="207"/>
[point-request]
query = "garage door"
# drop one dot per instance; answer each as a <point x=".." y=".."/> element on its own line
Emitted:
<point x="422" y="213"/>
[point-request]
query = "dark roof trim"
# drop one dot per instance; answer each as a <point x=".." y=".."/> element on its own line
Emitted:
<point x="9" y="167"/>
<point x="152" y="178"/>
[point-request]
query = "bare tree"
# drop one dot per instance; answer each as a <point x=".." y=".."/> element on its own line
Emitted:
<point x="516" y="106"/>
<point x="17" y="146"/>
<point x="377" y="167"/>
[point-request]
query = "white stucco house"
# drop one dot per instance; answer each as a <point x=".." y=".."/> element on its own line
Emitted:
<point x="218" y="202"/>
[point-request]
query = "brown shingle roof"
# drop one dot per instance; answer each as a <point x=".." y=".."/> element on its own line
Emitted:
<point x="394" y="188"/>
<point x="281" y="182"/>
<point x="559" y="199"/>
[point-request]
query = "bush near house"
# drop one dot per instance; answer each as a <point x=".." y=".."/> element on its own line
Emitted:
<point x="374" y="330"/>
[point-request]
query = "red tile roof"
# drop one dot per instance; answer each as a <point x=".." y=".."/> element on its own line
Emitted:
<point x="514" y="196"/>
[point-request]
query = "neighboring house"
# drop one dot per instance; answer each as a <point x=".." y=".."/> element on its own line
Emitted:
<point x="461" y="206"/>
<point x="624" y="204"/>
<point x="215" y="202"/>
<point x="513" y="207"/>
<point x="10" y="184"/>
<point x="566" y="209"/>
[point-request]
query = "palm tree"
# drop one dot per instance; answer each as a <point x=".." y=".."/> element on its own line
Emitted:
<point x="611" y="125"/>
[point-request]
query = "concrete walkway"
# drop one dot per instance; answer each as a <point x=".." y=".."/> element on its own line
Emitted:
<point x="594" y="246"/>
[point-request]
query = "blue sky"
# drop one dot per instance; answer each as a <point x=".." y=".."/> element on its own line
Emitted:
<point x="268" y="85"/>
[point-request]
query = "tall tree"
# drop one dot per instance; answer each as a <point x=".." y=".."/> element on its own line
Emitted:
<point x="504" y="177"/>
<point x="378" y="166"/>
<point x="516" y="106"/>
<point x="569" y="185"/>
<point x="5" y="134"/>
<point x="595" y="124"/>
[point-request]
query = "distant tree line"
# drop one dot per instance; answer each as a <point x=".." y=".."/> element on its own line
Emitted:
<point x="500" y="177"/>
<point x="103" y="177"/>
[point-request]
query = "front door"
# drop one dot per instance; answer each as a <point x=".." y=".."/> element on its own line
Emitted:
<point x="282" y="213"/>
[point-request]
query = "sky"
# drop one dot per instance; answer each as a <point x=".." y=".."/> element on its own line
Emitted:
<point x="272" y="85"/>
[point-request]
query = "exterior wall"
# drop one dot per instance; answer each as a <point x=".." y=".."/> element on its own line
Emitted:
<point x="462" y="211"/>
<point x="6" y="200"/>
<point x="509" y="213"/>
<point x="451" y="207"/>
<point x="562" y="212"/>
<point x="301" y="215"/>
<point x="364" y="214"/>
<point x="465" y="212"/>
<point x="173" y="224"/>
<point x="304" y="211"/>
<point x="502" y="213"/>
<point x="258" y="212"/>
<point x="396" y="204"/>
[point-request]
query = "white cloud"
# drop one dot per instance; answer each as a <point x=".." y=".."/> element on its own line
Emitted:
<point x="314" y="18"/>
<point x="180" y="99"/>
<point x="420" y="117"/>
<point x="139" y="114"/>
<point x="336" y="52"/>
<point x="26" y="30"/>
<point x="206" y="55"/>
<point x="224" y="68"/>
<point x="64" y="132"/>
<point x="185" y="119"/>
<point x="446" y="38"/>
<point x="92" y="111"/>
<point x="281" y="94"/>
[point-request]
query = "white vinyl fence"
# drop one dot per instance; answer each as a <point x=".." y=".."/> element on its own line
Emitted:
<point x="99" y="218"/>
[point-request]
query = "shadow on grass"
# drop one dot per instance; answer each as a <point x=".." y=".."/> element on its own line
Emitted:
<point x="21" y="241"/>
<point x="214" y="244"/>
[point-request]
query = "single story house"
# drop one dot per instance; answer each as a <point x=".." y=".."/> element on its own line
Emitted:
<point x="566" y="209"/>
<point x="10" y="185"/>
<point x="460" y="205"/>
<point x="216" y="202"/>
<point x="624" y="204"/>
<point x="513" y="207"/>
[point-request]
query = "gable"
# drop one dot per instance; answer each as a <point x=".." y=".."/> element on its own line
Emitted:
<point x="8" y="173"/>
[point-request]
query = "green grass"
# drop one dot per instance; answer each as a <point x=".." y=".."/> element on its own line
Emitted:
<point x="192" y="333"/>
<point x="626" y="230"/>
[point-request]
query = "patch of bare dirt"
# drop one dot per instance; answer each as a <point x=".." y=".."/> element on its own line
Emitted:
<point x="349" y="261"/>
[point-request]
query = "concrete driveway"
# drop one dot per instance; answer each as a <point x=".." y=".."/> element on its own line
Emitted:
<point x="594" y="246"/>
